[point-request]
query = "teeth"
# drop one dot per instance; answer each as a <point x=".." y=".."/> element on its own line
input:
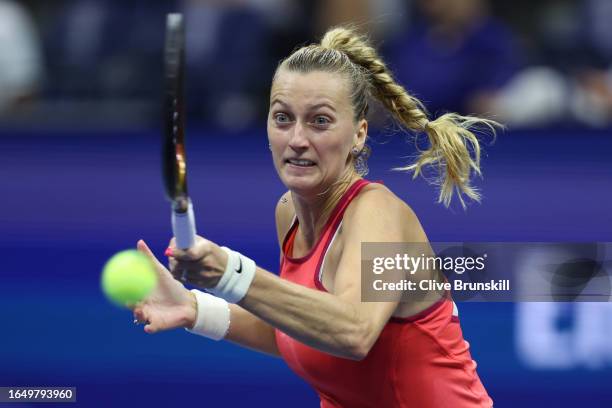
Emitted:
<point x="301" y="162"/>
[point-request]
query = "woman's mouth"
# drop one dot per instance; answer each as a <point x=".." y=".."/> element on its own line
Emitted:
<point x="300" y="162"/>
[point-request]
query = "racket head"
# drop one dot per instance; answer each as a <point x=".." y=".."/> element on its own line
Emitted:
<point x="174" y="163"/>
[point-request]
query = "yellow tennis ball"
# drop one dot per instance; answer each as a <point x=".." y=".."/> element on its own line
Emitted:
<point x="128" y="277"/>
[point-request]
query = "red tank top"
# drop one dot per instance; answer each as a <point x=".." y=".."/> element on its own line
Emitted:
<point x="420" y="361"/>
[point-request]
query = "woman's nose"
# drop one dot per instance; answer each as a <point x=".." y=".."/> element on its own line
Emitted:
<point x="299" y="138"/>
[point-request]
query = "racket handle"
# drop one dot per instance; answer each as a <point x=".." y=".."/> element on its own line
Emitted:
<point x="183" y="226"/>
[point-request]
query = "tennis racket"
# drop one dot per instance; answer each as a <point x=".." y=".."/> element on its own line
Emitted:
<point x="174" y="166"/>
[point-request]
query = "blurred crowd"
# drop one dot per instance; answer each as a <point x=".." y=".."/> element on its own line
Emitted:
<point x="527" y="64"/>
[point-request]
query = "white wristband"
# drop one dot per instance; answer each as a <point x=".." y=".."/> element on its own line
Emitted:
<point x="213" y="316"/>
<point x="237" y="278"/>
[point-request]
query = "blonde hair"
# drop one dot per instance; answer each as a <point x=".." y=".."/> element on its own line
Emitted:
<point x="454" y="149"/>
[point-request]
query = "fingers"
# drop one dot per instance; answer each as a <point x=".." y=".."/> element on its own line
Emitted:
<point x="182" y="275"/>
<point x="153" y="326"/>
<point x="171" y="247"/>
<point x="160" y="269"/>
<point x="185" y="262"/>
<point x="139" y="315"/>
<point x="190" y="254"/>
<point x="143" y="247"/>
<point x="199" y="250"/>
<point x="176" y="270"/>
<point x="172" y="267"/>
<point x="187" y="268"/>
<point x="151" y="329"/>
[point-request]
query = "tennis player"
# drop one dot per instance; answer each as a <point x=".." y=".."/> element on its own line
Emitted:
<point x="355" y="354"/>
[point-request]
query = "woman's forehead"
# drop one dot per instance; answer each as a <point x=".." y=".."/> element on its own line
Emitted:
<point x="311" y="86"/>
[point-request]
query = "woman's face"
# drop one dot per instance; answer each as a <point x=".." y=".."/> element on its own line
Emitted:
<point x="311" y="129"/>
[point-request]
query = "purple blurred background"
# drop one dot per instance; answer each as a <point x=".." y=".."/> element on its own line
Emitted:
<point x="80" y="179"/>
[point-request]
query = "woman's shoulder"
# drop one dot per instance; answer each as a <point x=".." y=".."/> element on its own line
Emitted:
<point x="378" y="198"/>
<point x="375" y="205"/>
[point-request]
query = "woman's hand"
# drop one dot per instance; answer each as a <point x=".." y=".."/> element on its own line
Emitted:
<point x="202" y="265"/>
<point x="170" y="305"/>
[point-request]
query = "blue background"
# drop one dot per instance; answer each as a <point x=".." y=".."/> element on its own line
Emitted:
<point x="71" y="199"/>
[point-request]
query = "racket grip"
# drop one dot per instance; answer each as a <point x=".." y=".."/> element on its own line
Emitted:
<point x="183" y="227"/>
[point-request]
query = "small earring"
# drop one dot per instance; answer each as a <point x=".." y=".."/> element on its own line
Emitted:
<point x="270" y="146"/>
<point x="361" y="159"/>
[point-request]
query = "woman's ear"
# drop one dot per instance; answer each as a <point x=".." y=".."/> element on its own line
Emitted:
<point x="361" y="134"/>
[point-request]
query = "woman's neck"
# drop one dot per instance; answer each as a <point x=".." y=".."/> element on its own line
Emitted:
<point x="314" y="211"/>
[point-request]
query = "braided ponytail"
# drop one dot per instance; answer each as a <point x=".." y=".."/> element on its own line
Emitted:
<point x="454" y="149"/>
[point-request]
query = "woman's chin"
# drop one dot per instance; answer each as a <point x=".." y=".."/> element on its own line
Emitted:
<point x="301" y="184"/>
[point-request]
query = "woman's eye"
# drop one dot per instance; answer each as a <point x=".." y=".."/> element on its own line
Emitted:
<point x="322" y="121"/>
<point x="281" y="117"/>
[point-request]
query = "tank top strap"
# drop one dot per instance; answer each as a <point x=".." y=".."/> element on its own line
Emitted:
<point x="330" y="226"/>
<point x="336" y="216"/>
